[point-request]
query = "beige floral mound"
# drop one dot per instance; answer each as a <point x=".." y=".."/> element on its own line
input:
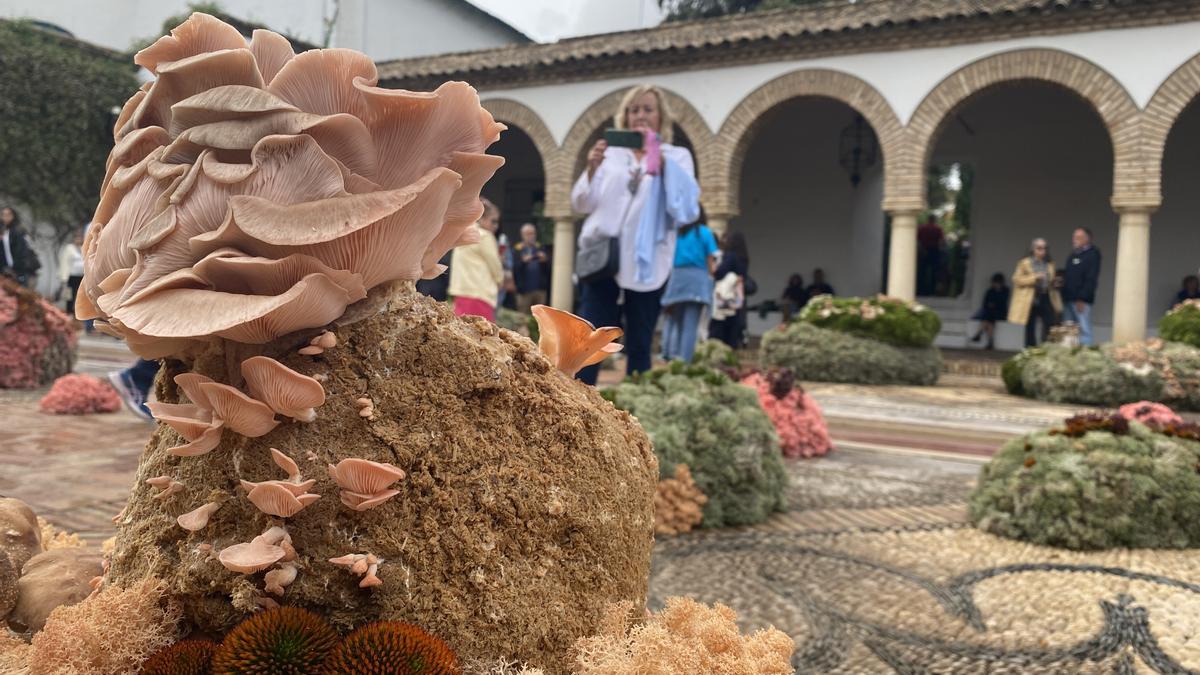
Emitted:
<point x="685" y="637"/>
<point x="526" y="508"/>
<point x="253" y="192"/>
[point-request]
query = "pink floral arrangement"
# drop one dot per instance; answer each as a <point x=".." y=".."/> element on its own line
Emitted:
<point x="796" y="416"/>
<point x="1150" y="413"/>
<point x="79" y="395"/>
<point x="37" y="340"/>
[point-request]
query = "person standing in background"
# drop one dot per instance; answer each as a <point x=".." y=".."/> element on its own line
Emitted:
<point x="531" y="269"/>
<point x="70" y="270"/>
<point x="18" y="260"/>
<point x="729" y="300"/>
<point x="1079" y="283"/>
<point x="1035" y="294"/>
<point x="476" y="270"/>
<point x="1189" y="290"/>
<point x="689" y="290"/>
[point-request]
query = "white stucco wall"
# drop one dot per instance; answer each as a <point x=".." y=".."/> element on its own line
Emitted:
<point x="1139" y="58"/>
<point x="383" y="29"/>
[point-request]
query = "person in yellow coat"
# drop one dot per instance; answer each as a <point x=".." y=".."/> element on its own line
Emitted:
<point x="1034" y="296"/>
<point x="476" y="270"/>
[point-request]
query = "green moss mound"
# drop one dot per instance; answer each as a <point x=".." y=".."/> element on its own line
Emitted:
<point x="1111" y="375"/>
<point x="1182" y="324"/>
<point x="701" y="418"/>
<point x="823" y="355"/>
<point x="715" y="354"/>
<point x="890" y="320"/>
<point x="1093" y="488"/>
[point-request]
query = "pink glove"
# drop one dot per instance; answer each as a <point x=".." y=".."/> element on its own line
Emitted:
<point x="653" y="149"/>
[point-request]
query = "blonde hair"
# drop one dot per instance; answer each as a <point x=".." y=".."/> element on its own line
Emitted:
<point x="488" y="208"/>
<point x="666" y="121"/>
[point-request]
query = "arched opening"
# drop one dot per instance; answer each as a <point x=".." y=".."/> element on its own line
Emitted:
<point x="1041" y="160"/>
<point x="519" y="187"/>
<point x="1176" y="227"/>
<point x="811" y="183"/>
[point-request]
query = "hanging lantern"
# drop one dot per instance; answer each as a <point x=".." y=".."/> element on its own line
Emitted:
<point x="858" y="149"/>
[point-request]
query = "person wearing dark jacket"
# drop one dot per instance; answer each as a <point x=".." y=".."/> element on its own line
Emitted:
<point x="995" y="308"/>
<point x="17" y="257"/>
<point x="1081" y="276"/>
<point x="531" y="269"/>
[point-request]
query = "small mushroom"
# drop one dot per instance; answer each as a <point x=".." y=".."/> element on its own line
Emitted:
<point x="197" y="519"/>
<point x="326" y="340"/>
<point x="173" y="488"/>
<point x="364" y="565"/>
<point x="280" y="577"/>
<point x="189" y="420"/>
<point x="208" y="441"/>
<point x="361" y="503"/>
<point x="244" y="415"/>
<point x="366" y="407"/>
<point x="190" y="384"/>
<point x="364" y="476"/>
<point x="286" y="392"/>
<point x="250" y="558"/>
<point x="311" y="350"/>
<point x="287" y="464"/>
<point x="160" y="482"/>
<point x="572" y="343"/>
<point x="274" y="499"/>
<point x="370" y="579"/>
<point x="296" y="489"/>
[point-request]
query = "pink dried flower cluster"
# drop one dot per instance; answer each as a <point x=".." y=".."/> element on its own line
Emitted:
<point x="1150" y="413"/>
<point x="32" y="329"/>
<point x="797" y="419"/>
<point x="77" y="394"/>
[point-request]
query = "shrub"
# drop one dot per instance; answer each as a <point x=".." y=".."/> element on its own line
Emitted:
<point x="796" y="416"/>
<point x="77" y="394"/>
<point x="699" y="417"/>
<point x="1112" y="375"/>
<point x="512" y="320"/>
<point x="822" y="355"/>
<point x="715" y="354"/>
<point x="1182" y="323"/>
<point x="890" y="320"/>
<point x="1101" y="482"/>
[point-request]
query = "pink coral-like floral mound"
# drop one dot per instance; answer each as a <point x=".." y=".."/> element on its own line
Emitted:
<point x="1150" y="413"/>
<point x="253" y="192"/>
<point x="37" y="340"/>
<point x="796" y="416"/>
<point x="78" y="394"/>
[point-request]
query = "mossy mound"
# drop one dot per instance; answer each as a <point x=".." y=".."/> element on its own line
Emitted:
<point x="891" y="320"/>
<point x="1109" y="375"/>
<point x="1182" y="323"/>
<point x="527" y="508"/>
<point x="1100" y="483"/>
<point x="701" y="418"/>
<point x="823" y="355"/>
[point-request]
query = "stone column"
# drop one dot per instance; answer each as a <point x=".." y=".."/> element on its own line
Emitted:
<point x="562" y="290"/>
<point x="1133" y="274"/>
<point x="902" y="256"/>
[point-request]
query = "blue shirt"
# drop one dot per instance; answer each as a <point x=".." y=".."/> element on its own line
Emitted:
<point x="694" y="248"/>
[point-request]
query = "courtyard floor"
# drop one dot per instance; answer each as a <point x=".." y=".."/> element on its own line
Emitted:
<point x="872" y="569"/>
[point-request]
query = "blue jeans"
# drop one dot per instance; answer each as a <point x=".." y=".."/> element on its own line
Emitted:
<point x="641" y="310"/>
<point x="1083" y="318"/>
<point x="679" y="330"/>
<point x="598" y="304"/>
<point x="141" y="374"/>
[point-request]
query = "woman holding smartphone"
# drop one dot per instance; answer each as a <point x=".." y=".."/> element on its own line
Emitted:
<point x="638" y="196"/>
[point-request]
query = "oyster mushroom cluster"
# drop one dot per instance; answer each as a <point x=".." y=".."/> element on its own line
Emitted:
<point x="253" y="192"/>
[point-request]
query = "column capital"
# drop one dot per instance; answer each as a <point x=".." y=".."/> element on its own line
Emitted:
<point x="1146" y="204"/>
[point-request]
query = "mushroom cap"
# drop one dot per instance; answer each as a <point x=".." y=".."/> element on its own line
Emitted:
<point x="272" y="156"/>
<point x="326" y="340"/>
<point x="250" y="558"/>
<point x="197" y="519"/>
<point x="296" y="489"/>
<point x="279" y="578"/>
<point x="347" y="560"/>
<point x="273" y="535"/>
<point x="50" y="579"/>
<point x="190" y="384"/>
<point x="364" y="476"/>
<point x="360" y="502"/>
<point x="188" y="420"/>
<point x="241" y="413"/>
<point x="571" y="342"/>
<point x="208" y="440"/>
<point x="286" y="463"/>
<point x="274" y="499"/>
<point x="20" y="534"/>
<point x="286" y="392"/>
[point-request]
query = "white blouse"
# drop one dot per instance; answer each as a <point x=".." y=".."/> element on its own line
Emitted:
<point x="615" y="211"/>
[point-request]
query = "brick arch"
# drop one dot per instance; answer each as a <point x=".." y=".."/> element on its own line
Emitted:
<point x="600" y="113"/>
<point x="1093" y="84"/>
<point x="1169" y="101"/>
<point x="739" y="129"/>
<point x="519" y="115"/>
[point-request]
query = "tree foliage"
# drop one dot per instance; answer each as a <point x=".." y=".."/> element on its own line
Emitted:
<point x="56" y="100"/>
<point x="682" y="10"/>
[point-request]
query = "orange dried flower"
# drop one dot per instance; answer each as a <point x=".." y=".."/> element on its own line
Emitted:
<point x="281" y="640"/>
<point x="392" y="648"/>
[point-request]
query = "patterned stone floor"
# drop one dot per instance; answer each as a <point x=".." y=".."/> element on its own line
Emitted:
<point x="873" y="570"/>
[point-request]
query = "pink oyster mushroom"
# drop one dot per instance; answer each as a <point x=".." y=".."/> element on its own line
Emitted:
<point x="253" y="192"/>
<point x="365" y="483"/>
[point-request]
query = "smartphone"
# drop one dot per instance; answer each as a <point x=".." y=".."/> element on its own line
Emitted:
<point x="624" y="138"/>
